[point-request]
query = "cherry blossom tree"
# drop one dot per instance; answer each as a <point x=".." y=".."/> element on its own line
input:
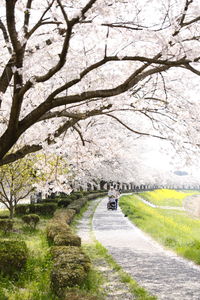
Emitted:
<point x="17" y="182"/>
<point x="65" y="62"/>
<point x="41" y="172"/>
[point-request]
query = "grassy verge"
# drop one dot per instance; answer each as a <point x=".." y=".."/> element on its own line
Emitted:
<point x="174" y="229"/>
<point x="34" y="282"/>
<point x="166" y="197"/>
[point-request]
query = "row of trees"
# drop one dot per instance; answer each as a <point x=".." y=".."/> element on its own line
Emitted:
<point x="78" y="77"/>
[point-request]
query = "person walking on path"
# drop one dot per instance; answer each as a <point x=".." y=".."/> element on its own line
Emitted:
<point x="111" y="192"/>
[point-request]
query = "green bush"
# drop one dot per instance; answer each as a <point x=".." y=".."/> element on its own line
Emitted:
<point x="69" y="239"/>
<point x="22" y="209"/>
<point x="64" y="215"/>
<point x="13" y="257"/>
<point x="54" y="229"/>
<point x="77" y="204"/>
<point x="32" y="220"/>
<point x="49" y="200"/>
<point x="4" y="217"/>
<point x="6" y="225"/>
<point x="79" y="194"/>
<point x="43" y="209"/>
<point x="60" y="234"/>
<point x="64" y="202"/>
<point x="71" y="266"/>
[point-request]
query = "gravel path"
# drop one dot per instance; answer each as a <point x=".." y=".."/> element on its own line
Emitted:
<point x="112" y="288"/>
<point x="161" y="272"/>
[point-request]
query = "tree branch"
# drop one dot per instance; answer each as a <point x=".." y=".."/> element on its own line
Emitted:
<point x="134" y="131"/>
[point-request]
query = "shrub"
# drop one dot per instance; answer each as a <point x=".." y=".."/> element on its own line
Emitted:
<point x="78" y="204"/>
<point x="71" y="266"/>
<point x="64" y="202"/>
<point x="60" y="234"/>
<point x="69" y="239"/>
<point x="54" y="229"/>
<point x="6" y="225"/>
<point x="49" y="200"/>
<point x="66" y="215"/>
<point x="32" y="220"/>
<point x="79" y="194"/>
<point x="43" y="209"/>
<point x="4" y="217"/>
<point x="13" y="257"/>
<point x="22" y="209"/>
<point x="95" y="195"/>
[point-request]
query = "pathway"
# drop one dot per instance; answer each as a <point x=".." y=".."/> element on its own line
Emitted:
<point x="113" y="288"/>
<point x="161" y="272"/>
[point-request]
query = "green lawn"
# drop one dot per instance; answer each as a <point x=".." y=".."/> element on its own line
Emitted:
<point x="174" y="229"/>
<point x="34" y="282"/>
<point x="166" y="197"/>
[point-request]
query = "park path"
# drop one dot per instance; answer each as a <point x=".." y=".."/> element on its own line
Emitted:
<point x="161" y="272"/>
<point x="112" y="287"/>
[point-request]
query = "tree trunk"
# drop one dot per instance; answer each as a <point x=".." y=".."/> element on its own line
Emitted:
<point x="11" y="211"/>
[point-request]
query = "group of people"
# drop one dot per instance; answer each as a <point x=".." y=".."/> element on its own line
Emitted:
<point x="114" y="194"/>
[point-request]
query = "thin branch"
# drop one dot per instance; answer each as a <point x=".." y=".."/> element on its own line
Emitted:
<point x="40" y="21"/>
<point x="134" y="131"/>
<point x="5" y="35"/>
<point x="27" y="16"/>
<point x="80" y="134"/>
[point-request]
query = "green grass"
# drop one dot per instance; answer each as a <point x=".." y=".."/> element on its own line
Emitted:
<point x="174" y="229"/>
<point x="34" y="282"/>
<point x="166" y="197"/>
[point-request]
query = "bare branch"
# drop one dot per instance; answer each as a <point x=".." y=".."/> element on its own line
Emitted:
<point x="5" y="35"/>
<point x="80" y="134"/>
<point x="134" y="131"/>
<point x="27" y="16"/>
<point x="40" y="21"/>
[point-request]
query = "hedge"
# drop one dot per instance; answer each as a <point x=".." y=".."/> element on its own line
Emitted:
<point x="13" y="257"/>
<point x="43" y="208"/>
<point x="71" y="266"/>
<point x="22" y="209"/>
<point x="39" y="208"/>
<point x="60" y="234"/>
<point x="78" y="204"/>
<point x="64" y="215"/>
<point x="32" y="220"/>
<point x="64" y="202"/>
<point x="6" y="225"/>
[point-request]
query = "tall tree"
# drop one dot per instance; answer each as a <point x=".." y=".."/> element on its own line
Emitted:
<point x="64" y="62"/>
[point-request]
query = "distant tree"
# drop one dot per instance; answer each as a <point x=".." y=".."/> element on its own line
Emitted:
<point x="41" y="172"/>
<point x="17" y="181"/>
